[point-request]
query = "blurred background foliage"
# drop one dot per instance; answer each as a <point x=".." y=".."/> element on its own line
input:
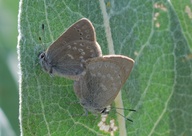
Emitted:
<point x="9" y="96"/>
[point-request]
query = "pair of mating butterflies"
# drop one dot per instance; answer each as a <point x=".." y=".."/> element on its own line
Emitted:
<point x="77" y="55"/>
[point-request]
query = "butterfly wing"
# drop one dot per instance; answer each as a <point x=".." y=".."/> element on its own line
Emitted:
<point x="68" y="60"/>
<point x="66" y="54"/>
<point x="81" y="30"/>
<point x="102" y="81"/>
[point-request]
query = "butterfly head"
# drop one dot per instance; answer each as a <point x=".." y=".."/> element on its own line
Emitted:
<point x="93" y="107"/>
<point x="44" y="63"/>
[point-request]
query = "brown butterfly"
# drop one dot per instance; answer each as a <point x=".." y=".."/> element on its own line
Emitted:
<point x="65" y="57"/>
<point x="102" y="80"/>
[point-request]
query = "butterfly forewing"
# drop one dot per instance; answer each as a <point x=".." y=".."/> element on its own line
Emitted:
<point x="81" y="30"/>
<point x="124" y="63"/>
<point x="74" y="54"/>
<point x="65" y="57"/>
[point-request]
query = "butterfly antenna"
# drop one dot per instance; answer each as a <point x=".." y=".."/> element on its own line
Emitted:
<point x="113" y="108"/>
<point x="123" y="109"/>
<point x="41" y="41"/>
<point x="124" y="117"/>
<point x="42" y="27"/>
<point x="43" y="31"/>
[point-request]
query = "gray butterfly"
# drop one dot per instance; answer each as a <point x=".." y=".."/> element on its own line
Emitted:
<point x="102" y="80"/>
<point x="65" y="57"/>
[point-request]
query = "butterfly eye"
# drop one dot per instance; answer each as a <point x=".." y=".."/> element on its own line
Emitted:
<point x="42" y="55"/>
<point x="104" y="111"/>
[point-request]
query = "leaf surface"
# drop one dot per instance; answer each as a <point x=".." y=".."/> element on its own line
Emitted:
<point x="156" y="34"/>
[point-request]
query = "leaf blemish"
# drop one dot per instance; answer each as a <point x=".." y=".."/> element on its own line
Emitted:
<point x="188" y="11"/>
<point x="109" y="128"/>
<point x="160" y="6"/>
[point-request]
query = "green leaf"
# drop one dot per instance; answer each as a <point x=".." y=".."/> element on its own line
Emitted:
<point x="156" y="34"/>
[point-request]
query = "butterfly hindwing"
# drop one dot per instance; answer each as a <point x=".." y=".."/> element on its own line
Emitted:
<point x="103" y="79"/>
